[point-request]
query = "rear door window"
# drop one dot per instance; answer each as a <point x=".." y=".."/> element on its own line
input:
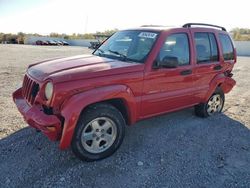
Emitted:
<point x="227" y="47"/>
<point x="214" y="48"/>
<point x="206" y="48"/>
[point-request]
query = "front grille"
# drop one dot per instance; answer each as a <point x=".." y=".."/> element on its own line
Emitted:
<point x="30" y="89"/>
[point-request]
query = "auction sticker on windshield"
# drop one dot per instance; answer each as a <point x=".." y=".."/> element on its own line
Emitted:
<point x="147" y="35"/>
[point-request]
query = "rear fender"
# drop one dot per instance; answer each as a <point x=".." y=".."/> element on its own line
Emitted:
<point x="222" y="81"/>
<point x="73" y="107"/>
<point x="228" y="84"/>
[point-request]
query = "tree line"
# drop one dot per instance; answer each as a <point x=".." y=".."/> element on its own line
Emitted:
<point x="241" y="34"/>
<point x="238" y="34"/>
<point x="20" y="36"/>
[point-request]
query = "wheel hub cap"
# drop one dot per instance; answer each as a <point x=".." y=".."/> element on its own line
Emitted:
<point x="214" y="104"/>
<point x="99" y="135"/>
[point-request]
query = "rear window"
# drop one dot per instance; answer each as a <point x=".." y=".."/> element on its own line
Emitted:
<point x="227" y="47"/>
<point x="206" y="47"/>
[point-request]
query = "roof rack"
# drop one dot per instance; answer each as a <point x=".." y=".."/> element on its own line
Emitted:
<point x="152" y="26"/>
<point x="188" y="25"/>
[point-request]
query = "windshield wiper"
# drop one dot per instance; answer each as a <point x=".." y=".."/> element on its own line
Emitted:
<point x="124" y="57"/>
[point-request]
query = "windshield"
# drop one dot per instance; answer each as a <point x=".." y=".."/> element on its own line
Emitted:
<point x="131" y="45"/>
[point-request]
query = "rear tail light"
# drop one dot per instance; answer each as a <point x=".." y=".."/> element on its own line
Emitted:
<point x="228" y="73"/>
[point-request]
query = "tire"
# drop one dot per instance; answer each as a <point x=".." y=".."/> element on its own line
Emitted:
<point x="99" y="132"/>
<point x="213" y="106"/>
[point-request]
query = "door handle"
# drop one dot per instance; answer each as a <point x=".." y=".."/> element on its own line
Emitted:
<point x="186" y="72"/>
<point x="217" y="67"/>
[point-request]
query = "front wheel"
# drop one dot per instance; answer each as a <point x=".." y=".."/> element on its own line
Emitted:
<point x="99" y="132"/>
<point x="213" y="106"/>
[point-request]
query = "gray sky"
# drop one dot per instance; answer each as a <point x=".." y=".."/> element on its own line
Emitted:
<point x="80" y="16"/>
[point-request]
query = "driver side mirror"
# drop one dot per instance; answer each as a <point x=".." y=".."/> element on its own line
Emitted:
<point x="167" y="62"/>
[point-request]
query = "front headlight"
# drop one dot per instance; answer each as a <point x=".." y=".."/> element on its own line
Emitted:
<point x="48" y="90"/>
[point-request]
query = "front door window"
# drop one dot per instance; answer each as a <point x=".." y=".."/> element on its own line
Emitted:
<point x="176" y="45"/>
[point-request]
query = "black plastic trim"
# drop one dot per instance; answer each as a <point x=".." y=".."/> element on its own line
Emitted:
<point x="188" y="25"/>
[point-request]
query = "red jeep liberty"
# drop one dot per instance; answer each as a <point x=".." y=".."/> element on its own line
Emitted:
<point x="85" y="101"/>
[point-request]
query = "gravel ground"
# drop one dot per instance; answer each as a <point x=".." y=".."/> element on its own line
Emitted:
<point x="174" y="150"/>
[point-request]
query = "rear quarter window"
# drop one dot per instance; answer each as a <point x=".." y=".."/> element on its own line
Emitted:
<point x="227" y="47"/>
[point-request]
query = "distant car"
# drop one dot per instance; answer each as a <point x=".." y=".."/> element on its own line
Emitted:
<point x="38" y="42"/>
<point x="100" y="39"/>
<point x="41" y="42"/>
<point x="58" y="42"/>
<point x="52" y="42"/>
<point x="65" y="43"/>
<point x="45" y="42"/>
<point x="94" y="45"/>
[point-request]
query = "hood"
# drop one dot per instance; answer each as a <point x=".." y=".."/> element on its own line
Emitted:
<point x="79" y="67"/>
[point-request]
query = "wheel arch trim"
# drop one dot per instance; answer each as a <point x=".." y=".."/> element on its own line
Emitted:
<point x="74" y="106"/>
<point x="223" y="82"/>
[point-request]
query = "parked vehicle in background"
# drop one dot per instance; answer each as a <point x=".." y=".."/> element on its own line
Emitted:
<point x="65" y="43"/>
<point x="38" y="42"/>
<point x="52" y="42"/>
<point x="58" y="42"/>
<point x="86" y="101"/>
<point x="99" y="40"/>
<point x="41" y="42"/>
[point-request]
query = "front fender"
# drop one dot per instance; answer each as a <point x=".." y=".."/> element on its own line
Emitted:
<point x="73" y="107"/>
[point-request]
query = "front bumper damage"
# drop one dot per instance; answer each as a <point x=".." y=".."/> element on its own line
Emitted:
<point x="50" y="125"/>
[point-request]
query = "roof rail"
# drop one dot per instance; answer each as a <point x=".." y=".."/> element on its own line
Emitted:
<point x="152" y="25"/>
<point x="188" y="25"/>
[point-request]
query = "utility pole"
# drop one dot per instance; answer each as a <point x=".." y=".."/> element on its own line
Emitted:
<point x="86" y="25"/>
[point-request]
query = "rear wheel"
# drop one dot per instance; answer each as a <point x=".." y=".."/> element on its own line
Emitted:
<point x="213" y="106"/>
<point x="99" y="132"/>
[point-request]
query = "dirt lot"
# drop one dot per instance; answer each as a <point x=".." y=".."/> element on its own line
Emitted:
<point x="174" y="150"/>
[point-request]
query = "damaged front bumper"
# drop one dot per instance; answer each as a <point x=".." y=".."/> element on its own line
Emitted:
<point x="34" y="115"/>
